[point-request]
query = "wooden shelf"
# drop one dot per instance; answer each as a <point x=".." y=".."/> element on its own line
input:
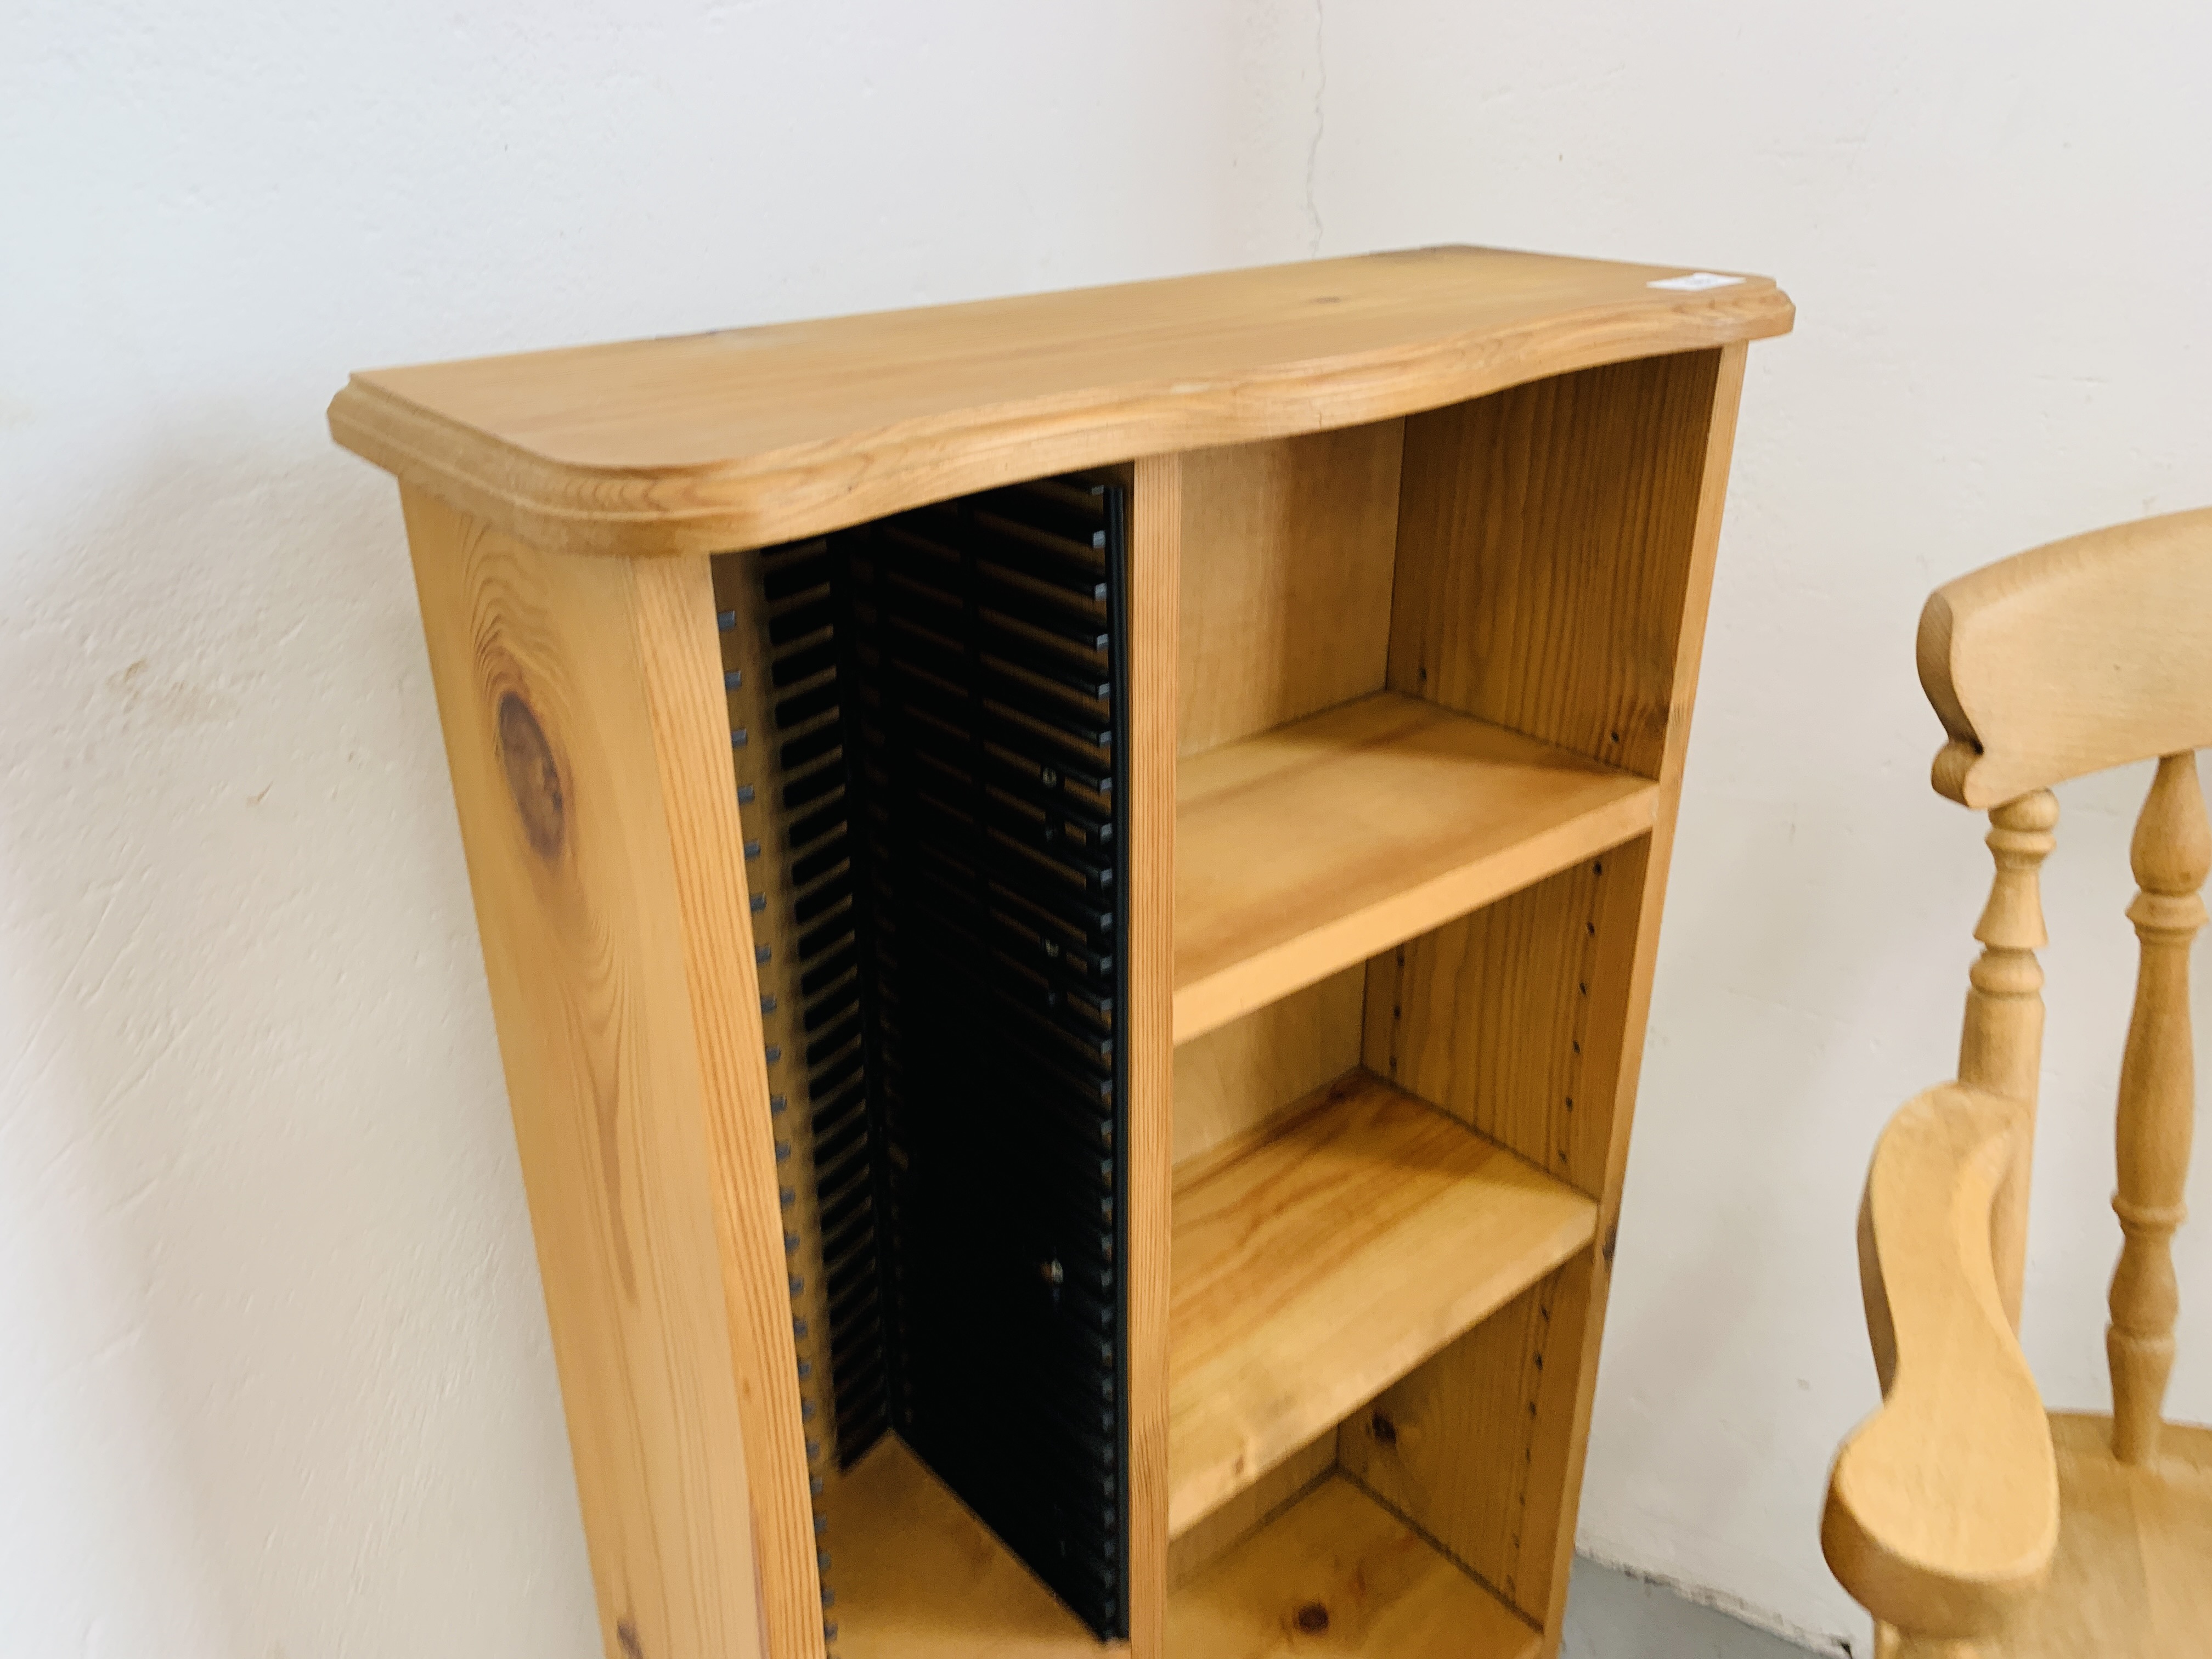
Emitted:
<point x="1314" y="846"/>
<point x="1338" y="1573"/>
<point x="919" y="1576"/>
<point x="1323" y="1262"/>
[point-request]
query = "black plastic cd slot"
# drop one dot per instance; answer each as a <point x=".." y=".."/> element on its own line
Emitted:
<point x="983" y="648"/>
<point x="944" y="707"/>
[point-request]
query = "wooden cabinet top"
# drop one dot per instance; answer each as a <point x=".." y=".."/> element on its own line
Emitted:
<point x="750" y="436"/>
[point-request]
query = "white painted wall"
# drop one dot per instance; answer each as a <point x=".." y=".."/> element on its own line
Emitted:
<point x="1997" y="222"/>
<point x="275" y="1381"/>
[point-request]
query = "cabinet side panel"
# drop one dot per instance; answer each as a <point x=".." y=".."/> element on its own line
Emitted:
<point x="1555" y="560"/>
<point x="620" y="980"/>
<point x="1287" y="585"/>
<point x="1545" y="545"/>
<point x="1622" y="1003"/>
<point x="682" y="661"/>
<point x="1155" y="556"/>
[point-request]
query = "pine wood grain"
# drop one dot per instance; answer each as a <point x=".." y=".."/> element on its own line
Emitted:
<point x="1547" y="582"/>
<point x="1286" y="596"/>
<point x="749" y="437"/>
<point x="1556" y="553"/>
<point x="2129" y="1578"/>
<point x="1314" y="846"/>
<point x="1623" y="970"/>
<point x="1155" y="553"/>
<point x="1448" y="1443"/>
<point x="1245" y="1514"/>
<point x="923" y="1579"/>
<point x="1333" y="1256"/>
<point x="582" y="712"/>
<point x="2072" y="658"/>
<point x="1490" y="1015"/>
<point x="1537" y="995"/>
<point x="1888" y="1644"/>
<point x="1241" y="1076"/>
<point x="1548" y="540"/>
<point x="919" y="1577"/>
<point x="1337" y="1574"/>
<point x="1942" y="1509"/>
<point x="1628" y="946"/>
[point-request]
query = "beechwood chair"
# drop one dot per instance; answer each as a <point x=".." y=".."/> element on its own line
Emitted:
<point x="1969" y="1523"/>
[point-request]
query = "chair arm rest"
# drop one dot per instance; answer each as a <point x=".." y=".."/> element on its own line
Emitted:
<point x="1942" y="1511"/>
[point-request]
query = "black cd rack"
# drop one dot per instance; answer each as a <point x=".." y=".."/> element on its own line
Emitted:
<point x="929" y="780"/>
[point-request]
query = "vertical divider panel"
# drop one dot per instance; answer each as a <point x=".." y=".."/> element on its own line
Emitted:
<point x="590" y="768"/>
<point x="1155" y="555"/>
<point x="1555" y="556"/>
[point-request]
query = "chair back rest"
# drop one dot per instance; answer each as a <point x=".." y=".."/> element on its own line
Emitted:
<point x="2068" y="659"/>
<point x="2085" y="654"/>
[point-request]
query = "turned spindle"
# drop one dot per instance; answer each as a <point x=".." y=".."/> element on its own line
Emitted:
<point x="2001" y="1048"/>
<point x="2172" y="851"/>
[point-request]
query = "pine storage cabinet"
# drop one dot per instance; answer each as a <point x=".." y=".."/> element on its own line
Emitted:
<point x="1069" y="887"/>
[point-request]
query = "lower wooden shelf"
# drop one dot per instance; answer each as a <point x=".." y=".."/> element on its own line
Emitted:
<point x="1337" y="1573"/>
<point x="919" y="1577"/>
<point x="1322" y="1263"/>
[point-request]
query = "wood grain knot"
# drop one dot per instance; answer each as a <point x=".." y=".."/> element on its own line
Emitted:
<point x="1312" y="1619"/>
<point x="625" y="1629"/>
<point x="532" y="776"/>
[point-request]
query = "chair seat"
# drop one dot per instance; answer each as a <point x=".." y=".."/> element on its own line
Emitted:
<point x="2133" y="1575"/>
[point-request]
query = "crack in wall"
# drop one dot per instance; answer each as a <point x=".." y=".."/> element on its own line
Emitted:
<point x="1313" y="149"/>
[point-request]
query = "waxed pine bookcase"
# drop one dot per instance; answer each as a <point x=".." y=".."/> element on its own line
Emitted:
<point x="1069" y="887"/>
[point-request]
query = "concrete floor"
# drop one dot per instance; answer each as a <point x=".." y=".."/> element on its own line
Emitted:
<point x="1612" y="1615"/>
